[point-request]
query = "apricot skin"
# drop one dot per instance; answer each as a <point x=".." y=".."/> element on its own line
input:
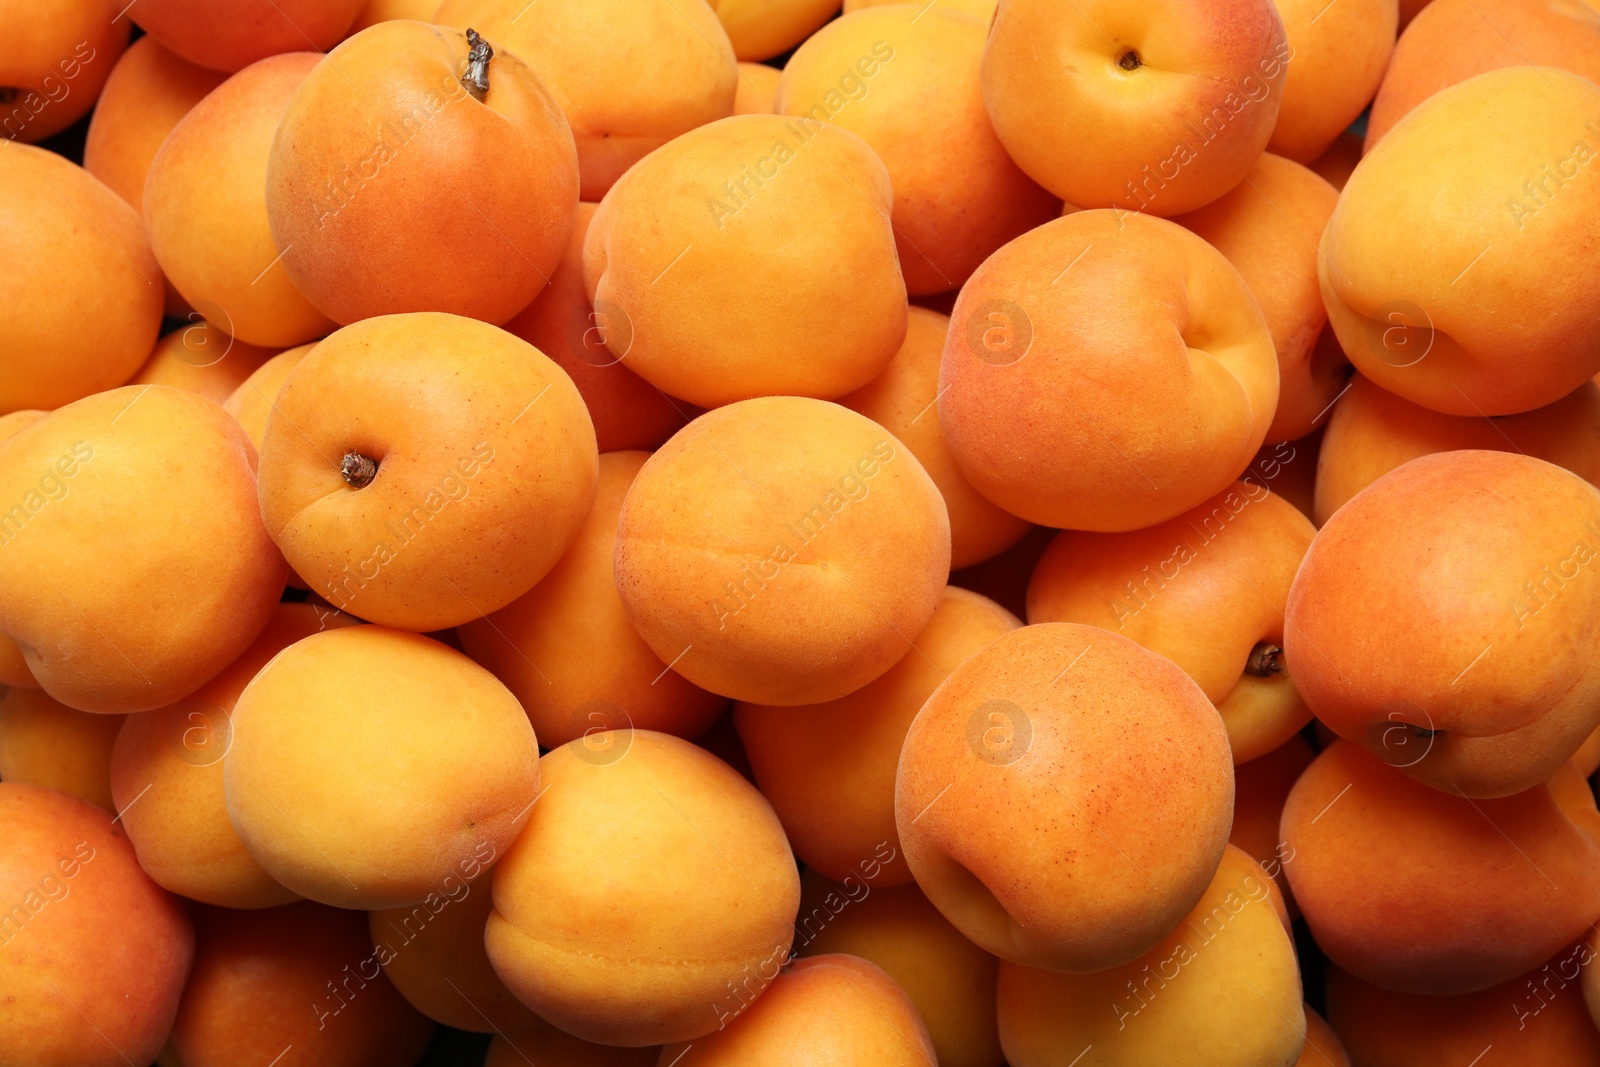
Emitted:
<point x="45" y="743"/>
<point x="201" y="359"/>
<point x="57" y="60"/>
<point x="229" y="35"/>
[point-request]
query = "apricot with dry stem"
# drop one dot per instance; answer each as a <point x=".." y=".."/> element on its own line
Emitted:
<point x="434" y="954"/>
<point x="1444" y="618"/>
<point x="103" y="479"/>
<point x="100" y="277"/>
<point x="1268" y="226"/>
<point x="906" y="81"/>
<point x="1371" y="432"/>
<point x="206" y="211"/>
<point x="1104" y="757"/>
<point x="1454" y="40"/>
<point x="627" y="411"/>
<point x="200" y="358"/>
<point x="902" y="401"/>
<point x="1441" y="310"/>
<point x="167" y="776"/>
<point x="57" y="59"/>
<point x="93" y="954"/>
<point x="229" y="35"/>
<point x="868" y="1019"/>
<point x="651" y="882"/>
<point x="950" y="980"/>
<point x="45" y="743"/>
<point x="394" y="185"/>
<point x="837" y="800"/>
<point x="449" y="772"/>
<point x="751" y="257"/>
<point x="1221" y="990"/>
<point x="829" y="549"/>
<point x="1206" y="590"/>
<point x="301" y="982"/>
<point x="1158" y="107"/>
<point x="669" y="68"/>
<point x="1424" y="891"/>
<point x="425" y="523"/>
<point x="567" y="649"/>
<point x="1072" y="417"/>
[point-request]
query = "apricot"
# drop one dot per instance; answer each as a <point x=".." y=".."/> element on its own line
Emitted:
<point x="46" y="743"/>
<point x="837" y="800"/>
<point x="1424" y="891"/>
<point x="447" y="772"/>
<point x="101" y="278"/>
<point x="549" y="1047"/>
<point x="167" y="776"/>
<point x="201" y="359"/>
<point x="256" y="973"/>
<point x="980" y="9"/>
<point x="678" y="72"/>
<point x="627" y="411"/>
<point x="13" y="664"/>
<point x="417" y="523"/>
<point x="229" y="35"/>
<point x="1011" y="746"/>
<point x="757" y="89"/>
<point x="1455" y="40"/>
<point x="906" y="81"/>
<point x="1336" y="164"/>
<point x="950" y="980"/>
<point x="1069" y="416"/>
<point x="1323" y="1047"/>
<point x="1371" y="432"/>
<point x="869" y="1019"/>
<point x="57" y="59"/>
<point x="1534" y="1018"/>
<point x="566" y="649"/>
<point x="1459" y="328"/>
<point x="828" y="548"/>
<point x="1339" y="55"/>
<point x="1268" y="226"/>
<point x="392" y="187"/>
<point x="162" y="483"/>
<point x="634" y="930"/>
<point x="782" y="280"/>
<point x="433" y="952"/>
<point x="1221" y="990"/>
<point x="1409" y="9"/>
<point x="1159" y="107"/>
<point x="93" y="954"/>
<point x="1004" y="579"/>
<point x="1472" y="563"/>
<point x="251" y="401"/>
<point x="902" y="401"/>
<point x="1206" y="590"/>
<point x="761" y="29"/>
<point x="207" y="215"/>
<point x="1260" y="789"/>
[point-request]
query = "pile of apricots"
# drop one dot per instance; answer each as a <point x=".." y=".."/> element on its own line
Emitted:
<point x="735" y="533"/>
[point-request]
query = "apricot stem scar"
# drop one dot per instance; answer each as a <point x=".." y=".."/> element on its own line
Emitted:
<point x="1264" y="661"/>
<point x="476" y="79"/>
<point x="358" y="470"/>
<point x="1129" y="61"/>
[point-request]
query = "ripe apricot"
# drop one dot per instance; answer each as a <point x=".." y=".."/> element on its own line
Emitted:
<point x="57" y="59"/>
<point x="447" y="773"/>
<point x="103" y="479"/>
<point x="229" y="35"/>
<point x="1338" y="58"/>
<point x="45" y="743"/>
<point x="251" y="401"/>
<point x="101" y="277"/>
<point x="750" y="257"/>
<point x="829" y="549"/>
<point x="201" y="359"/>
<point x="1072" y="417"/>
